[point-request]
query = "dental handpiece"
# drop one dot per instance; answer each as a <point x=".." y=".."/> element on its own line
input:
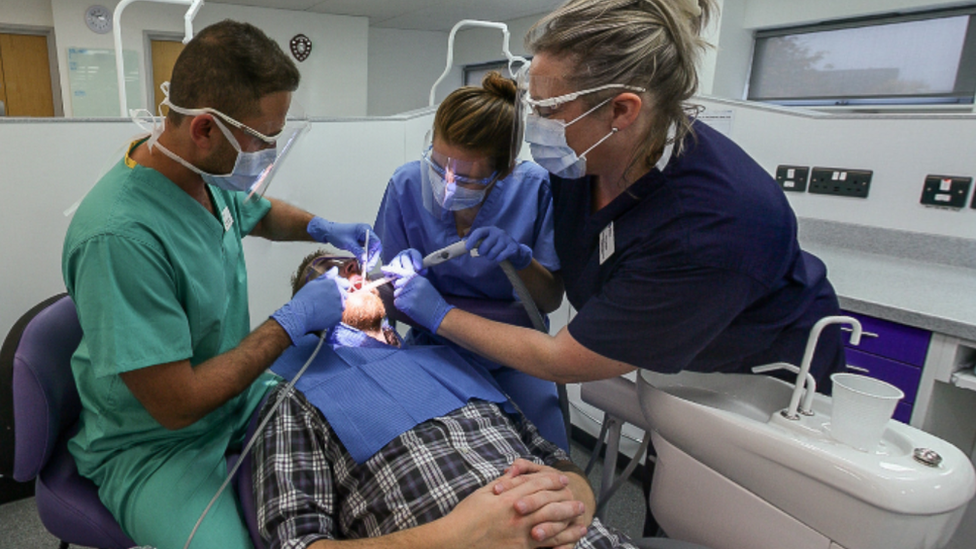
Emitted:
<point x="436" y="257"/>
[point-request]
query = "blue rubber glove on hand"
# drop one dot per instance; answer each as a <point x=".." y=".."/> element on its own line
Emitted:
<point x="405" y="265"/>
<point x="348" y="236"/>
<point x="496" y="245"/>
<point x="317" y="306"/>
<point x="414" y="295"/>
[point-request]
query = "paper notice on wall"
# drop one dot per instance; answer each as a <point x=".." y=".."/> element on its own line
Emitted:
<point x="94" y="84"/>
<point x="720" y="121"/>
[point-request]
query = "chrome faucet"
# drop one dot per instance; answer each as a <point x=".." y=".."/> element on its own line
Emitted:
<point x="806" y="385"/>
<point x="791" y="412"/>
<point x="811" y="384"/>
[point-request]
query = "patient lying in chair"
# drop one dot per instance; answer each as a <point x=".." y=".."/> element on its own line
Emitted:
<point x="412" y="444"/>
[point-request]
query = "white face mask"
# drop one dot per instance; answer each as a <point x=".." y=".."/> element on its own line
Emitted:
<point x="250" y="168"/>
<point x="547" y="137"/>
<point x="547" y="141"/>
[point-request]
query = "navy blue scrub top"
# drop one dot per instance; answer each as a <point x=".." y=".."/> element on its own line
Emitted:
<point x="706" y="272"/>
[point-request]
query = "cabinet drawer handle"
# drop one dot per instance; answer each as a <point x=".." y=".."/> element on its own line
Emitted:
<point x="858" y="369"/>
<point x="863" y="334"/>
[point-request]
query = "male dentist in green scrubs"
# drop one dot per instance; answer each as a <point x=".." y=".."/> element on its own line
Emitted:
<point x="168" y="370"/>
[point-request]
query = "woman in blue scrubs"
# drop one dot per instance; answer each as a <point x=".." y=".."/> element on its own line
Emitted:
<point x="676" y="248"/>
<point x="468" y="186"/>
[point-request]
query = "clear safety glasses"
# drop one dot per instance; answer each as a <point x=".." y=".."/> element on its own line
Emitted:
<point x="531" y="88"/>
<point x="296" y="125"/>
<point x="450" y="184"/>
<point x="453" y="170"/>
<point x="348" y="267"/>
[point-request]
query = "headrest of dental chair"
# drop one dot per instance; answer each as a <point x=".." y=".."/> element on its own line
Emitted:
<point x="509" y="312"/>
<point x="36" y="360"/>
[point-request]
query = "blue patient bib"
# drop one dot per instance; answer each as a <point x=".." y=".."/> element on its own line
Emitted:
<point x="370" y="395"/>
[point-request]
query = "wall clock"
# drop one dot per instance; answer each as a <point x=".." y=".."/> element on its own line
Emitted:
<point x="98" y="19"/>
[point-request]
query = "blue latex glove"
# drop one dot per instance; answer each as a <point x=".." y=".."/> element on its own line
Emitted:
<point x="405" y="264"/>
<point x="317" y="306"/>
<point x="496" y="245"/>
<point x="414" y="295"/>
<point x="348" y="236"/>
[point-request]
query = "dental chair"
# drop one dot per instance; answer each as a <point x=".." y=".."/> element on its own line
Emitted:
<point x="617" y="398"/>
<point x="41" y="415"/>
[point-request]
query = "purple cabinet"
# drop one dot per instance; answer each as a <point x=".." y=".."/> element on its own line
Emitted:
<point x="901" y="375"/>
<point x="892" y="340"/>
<point x="894" y="353"/>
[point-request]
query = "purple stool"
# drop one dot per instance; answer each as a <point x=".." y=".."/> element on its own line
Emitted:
<point x="36" y="358"/>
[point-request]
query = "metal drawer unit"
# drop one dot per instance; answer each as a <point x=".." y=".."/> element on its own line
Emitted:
<point x="891" y="352"/>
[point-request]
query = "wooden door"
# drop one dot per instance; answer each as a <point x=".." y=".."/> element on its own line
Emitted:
<point x="3" y="91"/>
<point x="26" y="75"/>
<point x="164" y="54"/>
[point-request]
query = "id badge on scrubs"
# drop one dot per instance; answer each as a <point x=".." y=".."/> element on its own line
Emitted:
<point x="606" y="243"/>
<point x="228" y="219"/>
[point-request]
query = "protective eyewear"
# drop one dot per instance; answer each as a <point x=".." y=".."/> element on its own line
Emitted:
<point x="269" y="139"/>
<point x="452" y="170"/>
<point x="322" y="264"/>
<point x="530" y="86"/>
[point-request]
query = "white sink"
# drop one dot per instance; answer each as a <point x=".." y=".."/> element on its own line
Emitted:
<point x="734" y="473"/>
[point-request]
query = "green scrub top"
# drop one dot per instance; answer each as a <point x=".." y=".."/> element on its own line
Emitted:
<point x="156" y="278"/>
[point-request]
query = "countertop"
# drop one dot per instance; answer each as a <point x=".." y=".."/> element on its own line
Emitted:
<point x="912" y="279"/>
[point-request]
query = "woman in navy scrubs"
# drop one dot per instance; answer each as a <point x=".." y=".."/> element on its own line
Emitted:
<point x="677" y="249"/>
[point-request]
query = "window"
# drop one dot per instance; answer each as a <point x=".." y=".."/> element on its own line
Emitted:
<point x="896" y="60"/>
<point x="473" y="74"/>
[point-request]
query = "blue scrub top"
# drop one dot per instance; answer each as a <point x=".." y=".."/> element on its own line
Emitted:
<point x="706" y="272"/>
<point x="520" y="204"/>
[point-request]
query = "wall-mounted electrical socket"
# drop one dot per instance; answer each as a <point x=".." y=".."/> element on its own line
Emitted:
<point x="792" y="178"/>
<point x="946" y="191"/>
<point x="840" y="181"/>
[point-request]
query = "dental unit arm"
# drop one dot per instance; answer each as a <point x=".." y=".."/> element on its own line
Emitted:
<point x="512" y="59"/>
<point x="191" y="13"/>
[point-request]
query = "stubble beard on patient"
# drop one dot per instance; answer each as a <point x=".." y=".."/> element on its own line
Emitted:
<point x="364" y="311"/>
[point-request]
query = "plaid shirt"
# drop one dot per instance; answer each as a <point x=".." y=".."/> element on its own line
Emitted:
<point x="308" y="487"/>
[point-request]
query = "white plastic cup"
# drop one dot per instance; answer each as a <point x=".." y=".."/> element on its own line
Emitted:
<point x="861" y="409"/>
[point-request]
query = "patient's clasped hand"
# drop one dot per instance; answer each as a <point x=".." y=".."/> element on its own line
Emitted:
<point x="412" y="444"/>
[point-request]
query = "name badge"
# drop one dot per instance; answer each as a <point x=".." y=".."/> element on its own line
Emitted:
<point x="606" y="243"/>
<point x="228" y="219"/>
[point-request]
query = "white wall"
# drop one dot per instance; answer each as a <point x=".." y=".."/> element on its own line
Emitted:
<point x="403" y="65"/>
<point x="334" y="77"/>
<point x="900" y="149"/>
<point x="26" y="12"/>
<point x="339" y="170"/>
